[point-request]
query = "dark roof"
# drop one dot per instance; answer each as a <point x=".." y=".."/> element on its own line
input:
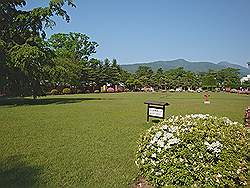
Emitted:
<point x="156" y="103"/>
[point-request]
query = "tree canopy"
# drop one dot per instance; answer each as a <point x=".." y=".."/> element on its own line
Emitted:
<point x="23" y="55"/>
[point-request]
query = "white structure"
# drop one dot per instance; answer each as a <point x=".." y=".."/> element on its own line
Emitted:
<point x="245" y="79"/>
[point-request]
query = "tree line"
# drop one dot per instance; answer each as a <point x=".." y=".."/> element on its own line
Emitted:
<point x="30" y="64"/>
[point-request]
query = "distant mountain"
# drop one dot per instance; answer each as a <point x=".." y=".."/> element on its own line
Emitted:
<point x="187" y="65"/>
<point x="243" y="70"/>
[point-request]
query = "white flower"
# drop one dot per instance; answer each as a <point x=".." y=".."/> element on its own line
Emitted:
<point x="165" y="127"/>
<point x="156" y="137"/>
<point x="199" y="116"/>
<point x="158" y="173"/>
<point x="216" y="150"/>
<point x="153" y="162"/>
<point x="227" y="121"/>
<point x="206" y="143"/>
<point x="168" y="135"/>
<point x="173" y="141"/>
<point x="159" y="150"/>
<point x="238" y="171"/>
<point x="136" y="163"/>
<point x="215" y="147"/>
<point x="160" y="143"/>
<point x="167" y="146"/>
<point x="186" y="129"/>
<point x="152" y="142"/>
<point x="153" y="155"/>
<point x="142" y="161"/>
<point x="158" y="134"/>
<point x="173" y="129"/>
<point x="219" y="175"/>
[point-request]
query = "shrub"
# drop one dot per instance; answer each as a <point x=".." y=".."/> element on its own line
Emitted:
<point x="54" y="92"/>
<point x="78" y="91"/>
<point x="171" y="90"/>
<point x="194" y="150"/>
<point x="66" y="91"/>
<point x="110" y="90"/>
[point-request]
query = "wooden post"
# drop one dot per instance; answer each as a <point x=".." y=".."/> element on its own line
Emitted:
<point x="247" y="117"/>
<point x="148" y="114"/>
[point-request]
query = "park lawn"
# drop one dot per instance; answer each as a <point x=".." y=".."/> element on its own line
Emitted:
<point x="88" y="140"/>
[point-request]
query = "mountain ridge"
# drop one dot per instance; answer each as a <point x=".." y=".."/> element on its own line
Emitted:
<point x="199" y="66"/>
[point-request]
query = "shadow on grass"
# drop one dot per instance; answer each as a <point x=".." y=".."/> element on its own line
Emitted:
<point x="156" y="121"/>
<point x="14" y="172"/>
<point x="43" y="101"/>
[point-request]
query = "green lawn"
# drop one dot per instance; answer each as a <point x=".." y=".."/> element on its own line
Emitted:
<point x="88" y="140"/>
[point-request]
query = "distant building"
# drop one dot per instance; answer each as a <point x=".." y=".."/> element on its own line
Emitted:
<point x="245" y="79"/>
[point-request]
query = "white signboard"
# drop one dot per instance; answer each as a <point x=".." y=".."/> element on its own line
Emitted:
<point x="155" y="112"/>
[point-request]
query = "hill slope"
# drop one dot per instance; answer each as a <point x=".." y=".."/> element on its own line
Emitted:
<point x="187" y="65"/>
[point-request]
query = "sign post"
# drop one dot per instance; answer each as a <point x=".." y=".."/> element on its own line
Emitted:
<point x="156" y="109"/>
<point x="247" y="117"/>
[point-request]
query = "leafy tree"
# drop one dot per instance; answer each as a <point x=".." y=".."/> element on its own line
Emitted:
<point x="75" y="46"/>
<point x="71" y="64"/>
<point x="21" y="44"/>
<point x="144" y="71"/>
<point x="91" y="75"/>
<point x="31" y="61"/>
<point x="209" y="80"/>
<point x="229" y="77"/>
<point x="116" y="72"/>
<point x="144" y="74"/>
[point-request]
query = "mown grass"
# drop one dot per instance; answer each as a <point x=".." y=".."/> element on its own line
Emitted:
<point x="87" y="140"/>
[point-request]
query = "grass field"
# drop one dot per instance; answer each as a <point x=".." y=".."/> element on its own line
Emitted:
<point x="88" y="140"/>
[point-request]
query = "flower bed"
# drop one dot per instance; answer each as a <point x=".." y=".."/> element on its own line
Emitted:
<point x="194" y="150"/>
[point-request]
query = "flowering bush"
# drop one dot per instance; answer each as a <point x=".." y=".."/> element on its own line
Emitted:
<point x="66" y="91"/>
<point x="194" y="150"/>
<point x="54" y="92"/>
<point x="110" y="90"/>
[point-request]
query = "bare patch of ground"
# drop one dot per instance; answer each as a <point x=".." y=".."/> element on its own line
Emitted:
<point x="141" y="183"/>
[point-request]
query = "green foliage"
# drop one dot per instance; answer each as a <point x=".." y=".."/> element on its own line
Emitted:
<point x="66" y="91"/>
<point x="54" y="92"/>
<point x="96" y="73"/>
<point x="75" y="46"/>
<point x="246" y="84"/>
<point x="65" y="71"/>
<point x="229" y="77"/>
<point x="194" y="150"/>
<point x="24" y="55"/>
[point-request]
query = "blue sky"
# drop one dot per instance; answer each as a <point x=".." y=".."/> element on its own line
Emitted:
<point x="149" y="30"/>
